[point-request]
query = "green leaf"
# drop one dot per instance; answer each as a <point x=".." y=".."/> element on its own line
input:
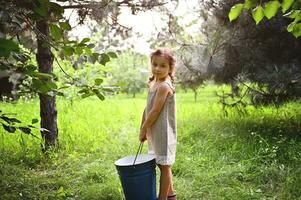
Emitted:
<point x="25" y="130"/>
<point x="85" y="40"/>
<point x="297" y="30"/>
<point x="258" y="14"/>
<point x="57" y="9"/>
<point x="87" y="95"/>
<point x="42" y="86"/>
<point x="296" y="5"/>
<point x="65" y="26"/>
<point x="55" y="32"/>
<point x="271" y="9"/>
<point x="85" y="90"/>
<point x="37" y="84"/>
<point x="51" y="85"/>
<point x="68" y="51"/>
<point x="78" y="50"/>
<point x="290" y="27"/>
<point x="7" y="46"/>
<point x="43" y="75"/>
<point x="286" y="4"/>
<point x="14" y="120"/>
<point x="9" y="129"/>
<point x="297" y="18"/>
<point x="96" y="55"/>
<point x="41" y="11"/>
<point x="10" y="120"/>
<point x="250" y="4"/>
<point x="33" y="121"/>
<point x="104" y="58"/>
<point x="235" y="11"/>
<point x="292" y="14"/>
<point x="99" y="94"/>
<point x="88" y="51"/>
<point x="98" y="81"/>
<point x="112" y="54"/>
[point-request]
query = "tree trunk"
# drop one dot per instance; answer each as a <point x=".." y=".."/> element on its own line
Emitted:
<point x="48" y="111"/>
<point x="234" y="88"/>
<point x="195" y="95"/>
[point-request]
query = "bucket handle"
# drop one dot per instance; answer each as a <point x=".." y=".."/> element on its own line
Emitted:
<point x="138" y="152"/>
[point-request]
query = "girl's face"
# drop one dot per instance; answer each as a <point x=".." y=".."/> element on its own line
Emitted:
<point x="160" y="67"/>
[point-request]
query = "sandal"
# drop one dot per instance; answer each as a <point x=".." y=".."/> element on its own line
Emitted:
<point x="172" y="197"/>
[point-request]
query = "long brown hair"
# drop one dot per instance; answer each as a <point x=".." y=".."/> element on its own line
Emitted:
<point x="167" y="54"/>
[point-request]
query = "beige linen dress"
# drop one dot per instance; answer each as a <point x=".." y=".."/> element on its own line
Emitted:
<point x="162" y="136"/>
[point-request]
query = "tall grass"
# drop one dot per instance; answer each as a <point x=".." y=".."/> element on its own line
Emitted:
<point x="255" y="156"/>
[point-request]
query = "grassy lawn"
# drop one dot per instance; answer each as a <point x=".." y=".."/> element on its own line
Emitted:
<point x="254" y="156"/>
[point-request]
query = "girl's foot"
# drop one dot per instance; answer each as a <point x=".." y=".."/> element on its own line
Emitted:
<point x="172" y="197"/>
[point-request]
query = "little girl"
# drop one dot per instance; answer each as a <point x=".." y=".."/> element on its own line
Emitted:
<point x="158" y="124"/>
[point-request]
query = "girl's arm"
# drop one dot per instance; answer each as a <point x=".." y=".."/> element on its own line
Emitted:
<point x="143" y="118"/>
<point x="160" y="98"/>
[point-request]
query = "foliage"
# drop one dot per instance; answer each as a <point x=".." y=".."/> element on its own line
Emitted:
<point x="191" y="69"/>
<point x="9" y="124"/>
<point x="261" y="9"/>
<point x="278" y="87"/>
<point x="22" y="17"/>
<point x="190" y="66"/>
<point x="130" y="72"/>
<point x="265" y="55"/>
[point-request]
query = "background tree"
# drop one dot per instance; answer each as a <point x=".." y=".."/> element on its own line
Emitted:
<point x="130" y="72"/>
<point x="191" y="69"/>
<point x="45" y="19"/>
<point x="265" y="55"/>
<point x="271" y="59"/>
<point x="188" y="48"/>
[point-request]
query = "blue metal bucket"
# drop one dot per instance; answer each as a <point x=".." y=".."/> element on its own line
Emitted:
<point x="139" y="180"/>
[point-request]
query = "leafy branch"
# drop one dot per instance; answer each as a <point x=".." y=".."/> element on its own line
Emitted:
<point x="289" y="8"/>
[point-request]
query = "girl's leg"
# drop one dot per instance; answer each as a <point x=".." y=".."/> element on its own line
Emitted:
<point x="165" y="182"/>
<point x="171" y="190"/>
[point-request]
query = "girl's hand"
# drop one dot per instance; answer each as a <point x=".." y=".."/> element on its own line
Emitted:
<point x="142" y="135"/>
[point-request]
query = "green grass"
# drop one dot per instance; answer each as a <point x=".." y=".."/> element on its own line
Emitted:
<point x="255" y="156"/>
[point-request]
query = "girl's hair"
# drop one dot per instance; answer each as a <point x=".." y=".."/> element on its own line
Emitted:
<point x="167" y="54"/>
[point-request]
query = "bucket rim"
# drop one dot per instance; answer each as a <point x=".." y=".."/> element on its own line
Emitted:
<point x="150" y="159"/>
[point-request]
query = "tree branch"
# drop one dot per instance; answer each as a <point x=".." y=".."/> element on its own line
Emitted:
<point x="122" y="3"/>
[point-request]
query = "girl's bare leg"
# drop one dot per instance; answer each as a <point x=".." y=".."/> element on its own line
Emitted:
<point x="165" y="182"/>
<point x="171" y="190"/>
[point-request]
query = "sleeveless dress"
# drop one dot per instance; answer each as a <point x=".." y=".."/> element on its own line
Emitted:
<point x="162" y="136"/>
